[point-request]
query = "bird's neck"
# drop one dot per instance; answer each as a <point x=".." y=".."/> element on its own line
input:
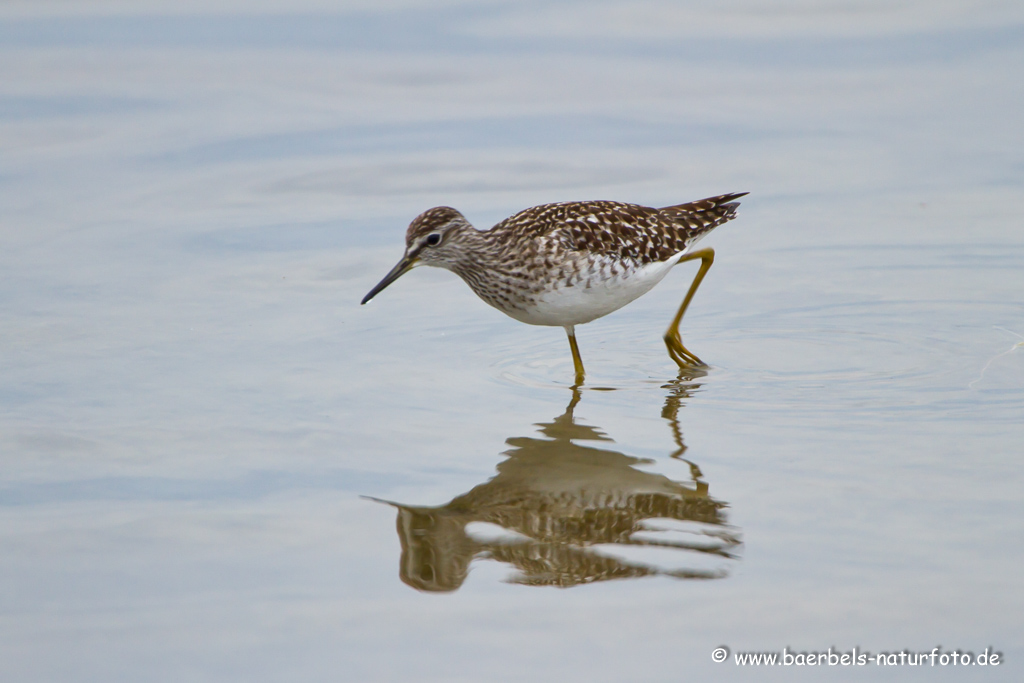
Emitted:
<point x="477" y="249"/>
<point x="480" y="260"/>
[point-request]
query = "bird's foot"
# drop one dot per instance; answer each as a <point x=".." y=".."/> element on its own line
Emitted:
<point x="683" y="357"/>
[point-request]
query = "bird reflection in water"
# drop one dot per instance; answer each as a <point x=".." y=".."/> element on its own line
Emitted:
<point x="563" y="500"/>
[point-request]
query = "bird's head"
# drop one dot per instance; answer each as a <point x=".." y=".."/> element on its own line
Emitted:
<point x="430" y="240"/>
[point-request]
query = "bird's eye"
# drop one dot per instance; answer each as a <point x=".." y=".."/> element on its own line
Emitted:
<point x="434" y="239"/>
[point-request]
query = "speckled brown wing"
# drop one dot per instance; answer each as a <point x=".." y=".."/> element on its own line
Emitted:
<point x="624" y="231"/>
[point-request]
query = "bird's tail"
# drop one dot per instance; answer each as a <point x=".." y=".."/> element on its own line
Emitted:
<point x="704" y="215"/>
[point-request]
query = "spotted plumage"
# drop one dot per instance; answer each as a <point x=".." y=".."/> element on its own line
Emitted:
<point x="569" y="263"/>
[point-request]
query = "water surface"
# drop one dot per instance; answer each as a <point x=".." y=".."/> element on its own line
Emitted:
<point x="218" y="466"/>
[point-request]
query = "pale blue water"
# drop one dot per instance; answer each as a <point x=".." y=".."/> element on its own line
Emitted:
<point x="196" y="413"/>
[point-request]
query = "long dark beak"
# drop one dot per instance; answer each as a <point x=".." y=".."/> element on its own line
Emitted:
<point x="404" y="266"/>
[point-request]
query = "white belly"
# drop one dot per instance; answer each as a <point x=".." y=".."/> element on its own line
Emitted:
<point x="593" y="297"/>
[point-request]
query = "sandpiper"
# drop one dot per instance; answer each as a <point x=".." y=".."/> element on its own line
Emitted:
<point x="568" y="263"/>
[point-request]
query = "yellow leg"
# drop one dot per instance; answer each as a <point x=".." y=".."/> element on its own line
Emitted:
<point x="679" y="353"/>
<point x="576" y="360"/>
